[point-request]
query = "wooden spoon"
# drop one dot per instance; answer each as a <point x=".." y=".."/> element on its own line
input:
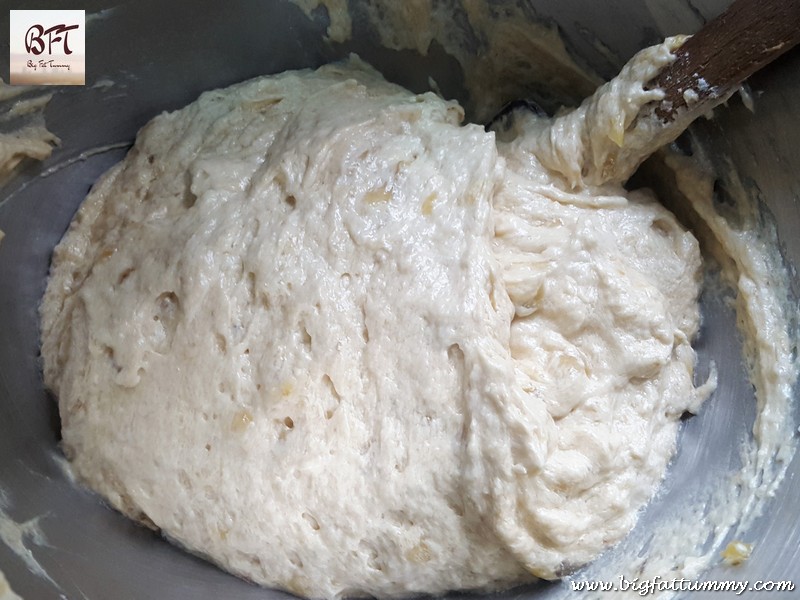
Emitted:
<point x="713" y="62"/>
<point x="708" y="68"/>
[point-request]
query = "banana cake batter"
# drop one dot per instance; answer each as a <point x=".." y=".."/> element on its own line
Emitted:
<point x="318" y="331"/>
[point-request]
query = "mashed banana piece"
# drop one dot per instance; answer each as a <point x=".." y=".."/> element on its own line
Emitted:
<point x="317" y="331"/>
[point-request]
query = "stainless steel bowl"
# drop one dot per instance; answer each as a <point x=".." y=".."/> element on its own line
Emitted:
<point x="160" y="57"/>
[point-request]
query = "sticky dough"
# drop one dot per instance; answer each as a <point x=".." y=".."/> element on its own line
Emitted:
<point x="319" y="332"/>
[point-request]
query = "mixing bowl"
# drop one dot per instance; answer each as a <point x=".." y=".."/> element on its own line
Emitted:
<point x="144" y="58"/>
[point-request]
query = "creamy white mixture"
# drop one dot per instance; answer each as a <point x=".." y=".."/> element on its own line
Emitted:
<point x="316" y="330"/>
<point x="6" y="593"/>
<point x="24" y="135"/>
<point x="20" y="538"/>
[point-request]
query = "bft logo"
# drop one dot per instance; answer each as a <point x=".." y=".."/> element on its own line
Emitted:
<point x="48" y="47"/>
<point x="34" y="38"/>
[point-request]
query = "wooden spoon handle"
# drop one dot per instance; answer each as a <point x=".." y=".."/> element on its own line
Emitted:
<point x="730" y="48"/>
